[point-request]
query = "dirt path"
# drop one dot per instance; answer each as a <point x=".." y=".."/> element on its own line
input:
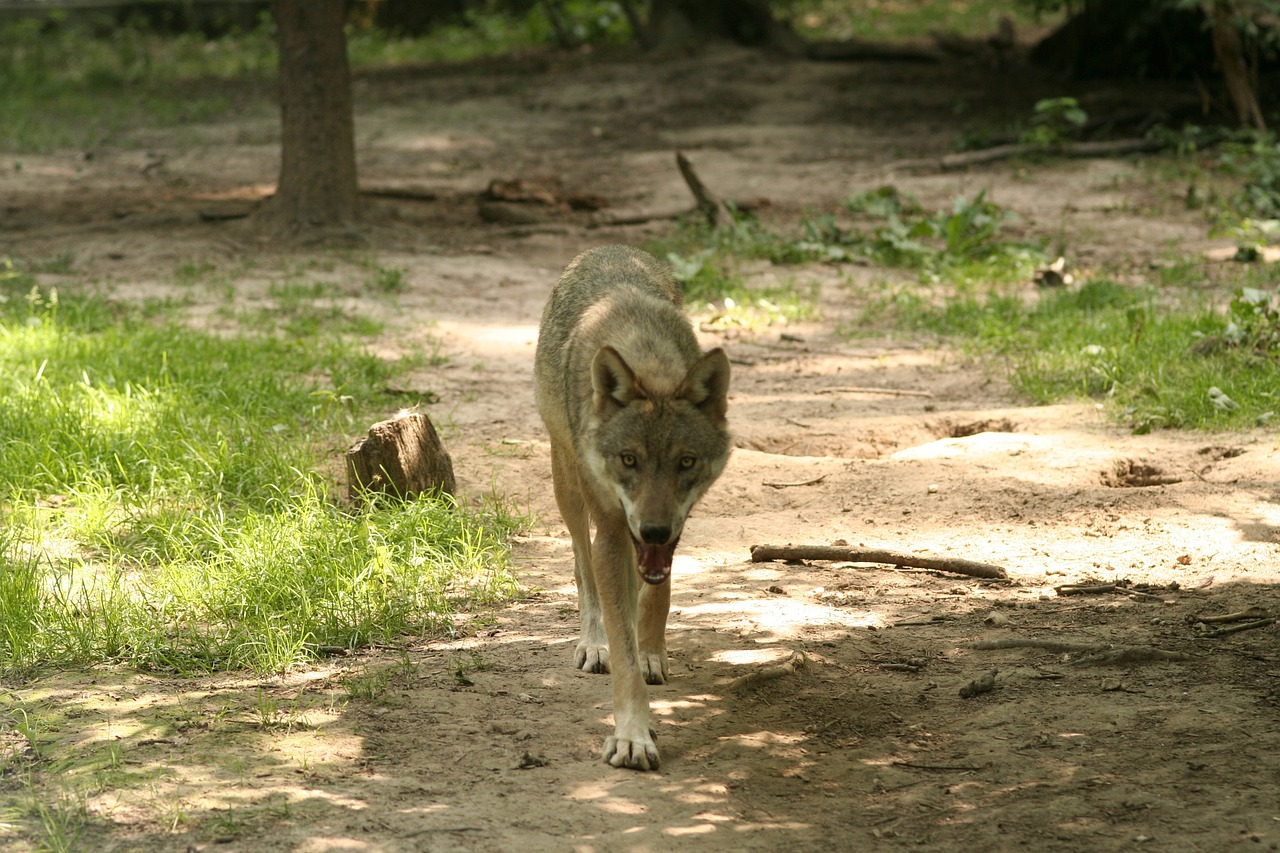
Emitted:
<point x="492" y="742"/>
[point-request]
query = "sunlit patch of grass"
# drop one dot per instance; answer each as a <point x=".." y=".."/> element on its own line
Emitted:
<point x="160" y="510"/>
<point x="713" y="288"/>
<point x="1156" y="362"/>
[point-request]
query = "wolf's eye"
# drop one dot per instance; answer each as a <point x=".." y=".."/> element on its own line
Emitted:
<point x="687" y="462"/>
<point x="629" y="460"/>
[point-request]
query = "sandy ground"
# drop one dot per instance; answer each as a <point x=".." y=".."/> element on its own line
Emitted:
<point x="1134" y="732"/>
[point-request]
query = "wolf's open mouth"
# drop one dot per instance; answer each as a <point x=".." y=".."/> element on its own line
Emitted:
<point x="654" y="561"/>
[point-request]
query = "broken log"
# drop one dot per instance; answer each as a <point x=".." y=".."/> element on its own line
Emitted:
<point x="769" y="553"/>
<point x="402" y="457"/>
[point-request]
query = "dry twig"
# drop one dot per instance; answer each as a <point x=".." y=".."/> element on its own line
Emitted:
<point x="1235" y="629"/>
<point x="1238" y="616"/>
<point x="1090" y="654"/>
<point x="871" y="389"/>
<point x="1084" y="589"/>
<point x="786" y="553"/>
<point x="813" y="482"/>
<point x="963" y="159"/>
<point x="916" y="766"/>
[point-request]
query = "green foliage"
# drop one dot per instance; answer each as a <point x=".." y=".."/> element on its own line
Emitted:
<point x="1054" y="120"/>
<point x="95" y="396"/>
<point x="158" y="506"/>
<point x="1256" y="161"/>
<point x="1158" y="365"/>
<point x="711" y="284"/>
<point x="1253" y="321"/>
<point x="963" y="241"/>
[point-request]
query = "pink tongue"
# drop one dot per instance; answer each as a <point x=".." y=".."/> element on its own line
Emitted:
<point x="655" y="562"/>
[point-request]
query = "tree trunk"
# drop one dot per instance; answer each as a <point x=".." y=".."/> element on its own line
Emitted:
<point x="317" y="188"/>
<point x="1235" y="71"/>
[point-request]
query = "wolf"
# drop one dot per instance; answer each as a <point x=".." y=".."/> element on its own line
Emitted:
<point x="636" y="412"/>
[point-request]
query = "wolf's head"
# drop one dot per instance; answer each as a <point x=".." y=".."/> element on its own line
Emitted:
<point x="657" y="449"/>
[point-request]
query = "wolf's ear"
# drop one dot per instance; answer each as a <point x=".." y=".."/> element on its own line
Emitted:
<point x="613" y="382"/>
<point x="707" y="384"/>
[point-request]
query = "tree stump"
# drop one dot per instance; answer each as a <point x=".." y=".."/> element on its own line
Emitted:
<point x="402" y="457"/>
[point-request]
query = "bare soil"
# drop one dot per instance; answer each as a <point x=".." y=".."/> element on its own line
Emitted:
<point x="1137" y="732"/>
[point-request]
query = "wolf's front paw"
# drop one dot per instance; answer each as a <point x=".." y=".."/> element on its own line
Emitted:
<point x="591" y="658"/>
<point x="635" y="753"/>
<point x="653" y="666"/>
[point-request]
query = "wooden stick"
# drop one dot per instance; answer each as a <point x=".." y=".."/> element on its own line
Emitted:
<point x="1238" y="616"/>
<point x="1089" y="654"/>
<point x="964" y="159"/>
<point x="1235" y="629"/>
<point x="812" y="482"/>
<point x="769" y="553"/>
<point x="941" y="767"/>
<point x="1084" y="589"/>
<point x="871" y="389"/>
<point x="708" y="202"/>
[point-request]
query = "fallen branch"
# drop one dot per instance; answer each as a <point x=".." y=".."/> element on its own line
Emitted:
<point x="1235" y="629"/>
<point x="964" y="159"/>
<point x="871" y="389"/>
<point x="916" y="766"/>
<point x="1095" y="655"/>
<point x="1084" y="589"/>
<point x="769" y="673"/>
<point x="792" y="485"/>
<point x="788" y="553"/>
<point x="1238" y="616"/>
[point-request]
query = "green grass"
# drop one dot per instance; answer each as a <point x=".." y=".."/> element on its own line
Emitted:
<point x="971" y="240"/>
<point x="160" y="505"/>
<point x="712" y="284"/>
<point x="1152" y="358"/>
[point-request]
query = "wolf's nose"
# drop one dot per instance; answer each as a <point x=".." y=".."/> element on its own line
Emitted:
<point x="655" y="534"/>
